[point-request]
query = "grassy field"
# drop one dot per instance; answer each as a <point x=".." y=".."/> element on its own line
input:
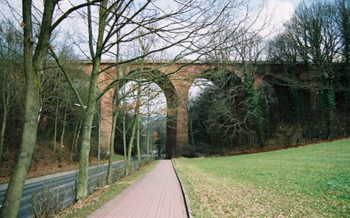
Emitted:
<point x="310" y="181"/>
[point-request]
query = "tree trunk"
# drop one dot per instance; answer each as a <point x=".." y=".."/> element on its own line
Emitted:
<point x="14" y="190"/>
<point x="133" y="132"/>
<point x="83" y="175"/>
<point x="82" y="185"/>
<point x="138" y="140"/>
<point x="55" y="129"/>
<point x="111" y="147"/>
<point x="124" y="139"/>
<point x="3" y="126"/>
<point x="137" y="116"/>
<point x="63" y="131"/>
<point x="148" y="135"/>
<point x="76" y="139"/>
<point x="33" y="69"/>
<point x="190" y="132"/>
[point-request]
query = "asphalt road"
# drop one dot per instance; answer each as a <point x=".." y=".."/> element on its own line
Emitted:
<point x="60" y="184"/>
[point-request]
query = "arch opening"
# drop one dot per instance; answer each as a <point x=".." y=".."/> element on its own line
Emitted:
<point x="147" y="101"/>
<point x="217" y="113"/>
<point x="157" y="103"/>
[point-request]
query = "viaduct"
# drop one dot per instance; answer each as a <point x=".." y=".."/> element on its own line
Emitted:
<point x="176" y="80"/>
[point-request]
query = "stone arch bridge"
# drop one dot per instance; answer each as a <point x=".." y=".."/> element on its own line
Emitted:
<point x="179" y="77"/>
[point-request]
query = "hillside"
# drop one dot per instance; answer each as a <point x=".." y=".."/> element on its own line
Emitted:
<point x="45" y="161"/>
<point x="310" y="181"/>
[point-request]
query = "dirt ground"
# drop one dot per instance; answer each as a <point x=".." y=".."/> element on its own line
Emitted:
<point x="44" y="162"/>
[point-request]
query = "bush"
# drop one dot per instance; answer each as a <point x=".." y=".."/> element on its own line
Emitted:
<point x="199" y="150"/>
<point x="287" y="135"/>
<point x="49" y="200"/>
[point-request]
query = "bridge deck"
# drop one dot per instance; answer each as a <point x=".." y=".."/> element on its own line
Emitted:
<point x="156" y="194"/>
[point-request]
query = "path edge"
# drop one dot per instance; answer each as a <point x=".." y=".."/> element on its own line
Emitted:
<point x="184" y="194"/>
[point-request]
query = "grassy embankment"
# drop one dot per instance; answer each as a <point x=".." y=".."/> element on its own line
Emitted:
<point x="310" y="181"/>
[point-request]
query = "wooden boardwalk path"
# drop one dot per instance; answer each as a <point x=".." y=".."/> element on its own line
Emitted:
<point x="157" y="194"/>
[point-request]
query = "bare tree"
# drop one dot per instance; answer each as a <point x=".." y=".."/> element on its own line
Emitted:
<point x="35" y="48"/>
<point x="10" y="76"/>
<point x="315" y="38"/>
<point x="282" y="50"/>
<point x="343" y="22"/>
<point x="177" y="28"/>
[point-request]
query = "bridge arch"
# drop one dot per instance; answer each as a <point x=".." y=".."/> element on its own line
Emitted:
<point x="178" y="80"/>
<point x="172" y="101"/>
<point x="167" y="87"/>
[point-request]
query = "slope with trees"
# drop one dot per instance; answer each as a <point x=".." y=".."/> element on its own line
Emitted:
<point x="314" y="41"/>
<point x="117" y="26"/>
<point x="36" y="42"/>
<point x="303" y="97"/>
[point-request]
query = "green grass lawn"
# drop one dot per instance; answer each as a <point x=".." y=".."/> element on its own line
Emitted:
<point x="310" y="181"/>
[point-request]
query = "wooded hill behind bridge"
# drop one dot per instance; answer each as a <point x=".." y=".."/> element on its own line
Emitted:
<point x="285" y="97"/>
<point x="296" y="102"/>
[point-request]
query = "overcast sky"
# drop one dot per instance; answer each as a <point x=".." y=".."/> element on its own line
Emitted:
<point x="282" y="11"/>
<point x="294" y="2"/>
<point x="279" y="10"/>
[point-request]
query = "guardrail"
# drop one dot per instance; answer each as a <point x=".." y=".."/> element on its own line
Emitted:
<point x="47" y="195"/>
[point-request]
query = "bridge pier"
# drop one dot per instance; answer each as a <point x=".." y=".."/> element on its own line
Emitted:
<point x="176" y="130"/>
<point x="175" y="86"/>
<point x="106" y="114"/>
<point x="176" y="92"/>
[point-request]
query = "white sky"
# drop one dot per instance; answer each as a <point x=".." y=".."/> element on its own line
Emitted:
<point x="281" y="11"/>
<point x="283" y="8"/>
<point x="294" y="2"/>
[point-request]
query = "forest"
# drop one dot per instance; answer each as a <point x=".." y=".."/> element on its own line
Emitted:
<point x="305" y="97"/>
<point x="47" y="100"/>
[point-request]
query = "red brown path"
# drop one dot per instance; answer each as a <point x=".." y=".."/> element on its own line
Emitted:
<point x="157" y="194"/>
